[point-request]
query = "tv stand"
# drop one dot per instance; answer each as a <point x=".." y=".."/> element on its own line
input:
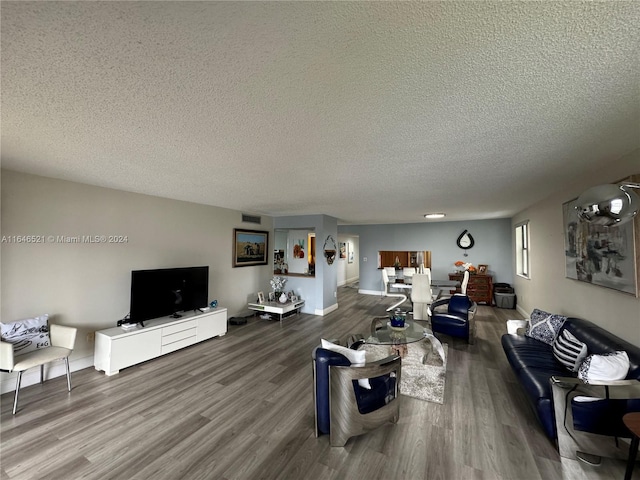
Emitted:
<point x="116" y="349"/>
<point x="176" y="315"/>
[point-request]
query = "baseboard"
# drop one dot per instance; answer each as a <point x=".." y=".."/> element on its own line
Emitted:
<point x="371" y="292"/>
<point x="326" y="310"/>
<point x="522" y="311"/>
<point x="51" y="370"/>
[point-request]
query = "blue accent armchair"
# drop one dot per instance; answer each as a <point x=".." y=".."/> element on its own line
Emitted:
<point x="457" y="320"/>
<point x="343" y="408"/>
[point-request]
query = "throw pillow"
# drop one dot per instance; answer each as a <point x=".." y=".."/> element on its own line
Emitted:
<point x="26" y="335"/>
<point x="544" y="326"/>
<point x="356" y="357"/>
<point x="569" y="351"/>
<point x="604" y="368"/>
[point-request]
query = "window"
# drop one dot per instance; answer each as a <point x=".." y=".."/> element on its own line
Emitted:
<point x="522" y="249"/>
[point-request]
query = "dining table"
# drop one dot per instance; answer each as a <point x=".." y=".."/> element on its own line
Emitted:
<point x="439" y="287"/>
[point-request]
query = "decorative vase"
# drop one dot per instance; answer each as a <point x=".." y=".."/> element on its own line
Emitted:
<point x="283" y="298"/>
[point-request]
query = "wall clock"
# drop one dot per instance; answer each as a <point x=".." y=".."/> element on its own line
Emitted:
<point x="465" y="241"/>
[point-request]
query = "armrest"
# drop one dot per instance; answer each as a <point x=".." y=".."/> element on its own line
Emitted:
<point x="6" y="356"/>
<point x="62" y="336"/>
<point x="369" y="370"/>
<point x="569" y="382"/>
<point x="437" y="303"/>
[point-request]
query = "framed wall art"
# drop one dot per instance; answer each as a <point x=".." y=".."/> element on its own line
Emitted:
<point x="604" y="256"/>
<point x="250" y="247"/>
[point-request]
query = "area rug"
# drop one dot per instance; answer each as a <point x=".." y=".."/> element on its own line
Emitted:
<point x="424" y="381"/>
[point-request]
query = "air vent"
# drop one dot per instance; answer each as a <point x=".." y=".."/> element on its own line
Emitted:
<point x="251" y="219"/>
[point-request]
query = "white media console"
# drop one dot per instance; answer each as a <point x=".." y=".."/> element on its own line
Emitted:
<point x="116" y="348"/>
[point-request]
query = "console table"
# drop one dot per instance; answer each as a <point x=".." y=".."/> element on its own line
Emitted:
<point x="116" y="348"/>
<point x="281" y="309"/>
<point x="479" y="288"/>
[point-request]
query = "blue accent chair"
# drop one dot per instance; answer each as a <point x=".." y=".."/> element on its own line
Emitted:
<point x="343" y="408"/>
<point x="457" y="319"/>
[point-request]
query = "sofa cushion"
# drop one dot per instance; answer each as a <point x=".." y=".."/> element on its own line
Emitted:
<point x="526" y="352"/>
<point x="356" y="357"/>
<point x="604" y="368"/>
<point x="544" y="326"/>
<point x="601" y="341"/>
<point x="569" y="351"/>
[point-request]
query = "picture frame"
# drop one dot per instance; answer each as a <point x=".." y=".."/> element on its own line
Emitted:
<point x="350" y="252"/>
<point x="272" y="296"/>
<point x="250" y="247"/>
<point x="343" y="249"/>
<point x="294" y="298"/>
<point x="482" y="269"/>
<point x="260" y="297"/>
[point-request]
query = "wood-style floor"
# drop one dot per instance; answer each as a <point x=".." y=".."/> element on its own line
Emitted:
<point x="240" y="407"/>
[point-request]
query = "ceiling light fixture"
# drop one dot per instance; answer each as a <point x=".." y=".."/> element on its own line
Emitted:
<point x="609" y="205"/>
<point x="434" y="215"/>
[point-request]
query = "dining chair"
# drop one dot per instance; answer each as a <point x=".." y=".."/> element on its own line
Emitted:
<point x="387" y="293"/>
<point x="421" y="295"/>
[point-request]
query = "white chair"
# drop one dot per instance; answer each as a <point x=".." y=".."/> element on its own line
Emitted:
<point x="408" y="273"/>
<point x="387" y="293"/>
<point x="465" y="282"/>
<point x="391" y="273"/>
<point x="421" y="295"/>
<point x="62" y="342"/>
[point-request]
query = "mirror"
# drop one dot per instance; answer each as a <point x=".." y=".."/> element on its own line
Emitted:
<point x="294" y="252"/>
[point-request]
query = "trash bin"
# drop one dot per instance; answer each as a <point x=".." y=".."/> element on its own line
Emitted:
<point x="502" y="288"/>
<point x="505" y="300"/>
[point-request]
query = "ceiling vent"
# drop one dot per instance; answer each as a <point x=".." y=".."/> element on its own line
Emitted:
<point x="251" y="219"/>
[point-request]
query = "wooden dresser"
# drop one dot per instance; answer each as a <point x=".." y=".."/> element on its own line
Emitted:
<point x="479" y="289"/>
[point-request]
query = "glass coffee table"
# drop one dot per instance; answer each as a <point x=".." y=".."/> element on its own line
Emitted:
<point x="382" y="333"/>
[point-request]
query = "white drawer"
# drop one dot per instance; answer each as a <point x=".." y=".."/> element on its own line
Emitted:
<point x="177" y="345"/>
<point x="168" y="330"/>
<point x="177" y="336"/>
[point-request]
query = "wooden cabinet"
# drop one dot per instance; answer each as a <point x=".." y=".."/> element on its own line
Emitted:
<point x="406" y="258"/>
<point x="479" y="288"/>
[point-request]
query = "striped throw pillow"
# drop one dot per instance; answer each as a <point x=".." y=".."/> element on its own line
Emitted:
<point x="569" y="351"/>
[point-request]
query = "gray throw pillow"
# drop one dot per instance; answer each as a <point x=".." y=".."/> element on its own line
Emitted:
<point x="544" y="326"/>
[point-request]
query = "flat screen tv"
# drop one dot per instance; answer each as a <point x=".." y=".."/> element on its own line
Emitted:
<point x="167" y="291"/>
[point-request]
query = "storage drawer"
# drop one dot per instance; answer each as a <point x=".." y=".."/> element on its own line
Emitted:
<point x="168" y="330"/>
<point x="178" y="344"/>
<point x="177" y="336"/>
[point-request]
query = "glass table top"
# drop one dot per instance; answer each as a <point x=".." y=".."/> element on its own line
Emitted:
<point x="382" y="333"/>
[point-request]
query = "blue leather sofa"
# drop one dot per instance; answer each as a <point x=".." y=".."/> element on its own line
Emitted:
<point x="534" y="364"/>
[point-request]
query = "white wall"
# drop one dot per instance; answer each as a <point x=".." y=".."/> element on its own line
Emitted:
<point x="548" y="288"/>
<point x="88" y="285"/>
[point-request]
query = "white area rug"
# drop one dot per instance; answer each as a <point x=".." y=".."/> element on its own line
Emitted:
<point x="418" y="380"/>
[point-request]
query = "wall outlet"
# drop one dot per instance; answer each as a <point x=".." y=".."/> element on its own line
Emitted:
<point x="91" y="337"/>
<point x="364" y="259"/>
<point x="335" y="294"/>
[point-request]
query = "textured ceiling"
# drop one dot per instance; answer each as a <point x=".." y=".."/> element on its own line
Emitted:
<point x="367" y="112"/>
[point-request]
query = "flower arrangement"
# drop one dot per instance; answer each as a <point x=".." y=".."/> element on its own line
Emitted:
<point x="463" y="267"/>
<point x="277" y="283"/>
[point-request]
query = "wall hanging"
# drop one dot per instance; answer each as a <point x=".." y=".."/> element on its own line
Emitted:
<point x="330" y="248"/>
<point x="250" y="247"/>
